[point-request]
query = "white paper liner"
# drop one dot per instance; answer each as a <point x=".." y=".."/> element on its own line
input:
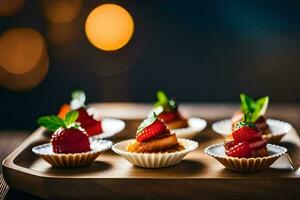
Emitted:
<point x="75" y="159"/>
<point x="154" y="160"/>
<point x="246" y="165"/>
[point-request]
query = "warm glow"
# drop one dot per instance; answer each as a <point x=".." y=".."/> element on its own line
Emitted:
<point x="10" y="7"/>
<point x="23" y="59"/>
<point x="109" y="27"/>
<point x="20" y="50"/>
<point x="61" y="11"/>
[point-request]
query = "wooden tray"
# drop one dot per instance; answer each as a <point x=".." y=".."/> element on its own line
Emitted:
<point x="112" y="177"/>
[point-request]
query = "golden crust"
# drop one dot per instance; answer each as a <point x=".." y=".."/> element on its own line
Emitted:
<point x="164" y="144"/>
<point x="179" y="123"/>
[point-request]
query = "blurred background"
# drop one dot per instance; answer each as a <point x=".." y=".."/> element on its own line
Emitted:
<point x="198" y="51"/>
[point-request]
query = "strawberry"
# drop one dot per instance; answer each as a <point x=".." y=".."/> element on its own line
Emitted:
<point x="246" y="133"/>
<point x="83" y="115"/>
<point x="72" y="140"/>
<point x="167" y="117"/>
<point x="92" y="126"/>
<point x="68" y="136"/>
<point x="155" y="128"/>
<point x="241" y="150"/>
<point x="256" y="145"/>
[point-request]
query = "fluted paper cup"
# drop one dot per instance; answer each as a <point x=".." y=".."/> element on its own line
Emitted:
<point x="154" y="160"/>
<point x="75" y="159"/>
<point x="278" y="129"/>
<point x="196" y="125"/>
<point x="246" y="165"/>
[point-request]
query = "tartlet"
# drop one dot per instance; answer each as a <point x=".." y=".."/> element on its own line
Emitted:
<point x="89" y="118"/>
<point x="155" y="146"/>
<point x="244" y="150"/>
<point x="272" y="130"/>
<point x="167" y="111"/>
<point x="70" y="145"/>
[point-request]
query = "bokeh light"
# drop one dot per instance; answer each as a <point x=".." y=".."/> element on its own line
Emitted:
<point x="23" y="59"/>
<point x="10" y="7"/>
<point x="109" y="27"/>
<point x="61" y="11"/>
<point x="20" y="50"/>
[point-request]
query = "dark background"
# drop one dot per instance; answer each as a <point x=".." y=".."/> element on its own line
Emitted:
<point x="198" y="51"/>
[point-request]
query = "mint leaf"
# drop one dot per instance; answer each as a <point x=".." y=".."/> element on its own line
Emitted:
<point x="248" y="117"/>
<point x="78" y="99"/>
<point x="147" y="122"/>
<point x="71" y="117"/>
<point x="260" y="109"/>
<point x="247" y="103"/>
<point x="162" y="98"/>
<point x="51" y="122"/>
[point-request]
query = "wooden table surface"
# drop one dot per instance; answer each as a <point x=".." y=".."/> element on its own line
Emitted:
<point x="288" y="112"/>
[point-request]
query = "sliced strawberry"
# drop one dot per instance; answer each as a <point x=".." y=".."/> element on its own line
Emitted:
<point x="92" y="126"/>
<point x="83" y="115"/>
<point x="71" y="140"/>
<point x="241" y="150"/>
<point x="255" y="145"/>
<point x="228" y="144"/>
<point x="151" y="131"/>
<point x="245" y="134"/>
<point x="167" y="117"/>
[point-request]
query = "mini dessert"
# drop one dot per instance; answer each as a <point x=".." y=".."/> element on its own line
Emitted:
<point x="153" y="136"/>
<point x="155" y="146"/>
<point x="245" y="141"/>
<point x="68" y="137"/>
<point x="167" y="111"/>
<point x="245" y="150"/>
<point x="70" y="145"/>
<point x="87" y="118"/>
<point x="258" y="108"/>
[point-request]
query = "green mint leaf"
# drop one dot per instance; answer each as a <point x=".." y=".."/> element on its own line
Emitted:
<point x="261" y="108"/>
<point x="78" y="99"/>
<point x="247" y="103"/>
<point x="247" y="117"/>
<point x="71" y="117"/>
<point x="162" y="99"/>
<point x="147" y="122"/>
<point x="51" y="122"/>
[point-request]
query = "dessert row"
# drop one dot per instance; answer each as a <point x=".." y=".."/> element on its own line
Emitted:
<point x="79" y="136"/>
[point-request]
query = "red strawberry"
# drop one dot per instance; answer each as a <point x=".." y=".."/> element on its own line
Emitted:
<point x="92" y="126"/>
<point x="71" y="140"/>
<point x="241" y="150"/>
<point x="245" y="134"/>
<point x="255" y="145"/>
<point x="83" y="115"/>
<point x="167" y="117"/>
<point x="154" y="129"/>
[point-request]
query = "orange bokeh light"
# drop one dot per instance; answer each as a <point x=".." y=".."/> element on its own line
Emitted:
<point x="10" y="7"/>
<point x="109" y="27"/>
<point x="20" y="50"/>
<point x="24" y="59"/>
<point x="61" y="11"/>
